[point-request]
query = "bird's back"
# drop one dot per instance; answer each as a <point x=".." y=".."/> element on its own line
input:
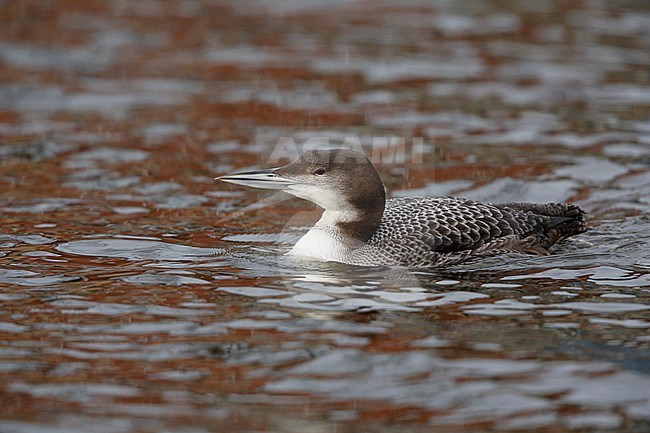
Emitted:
<point x="428" y="231"/>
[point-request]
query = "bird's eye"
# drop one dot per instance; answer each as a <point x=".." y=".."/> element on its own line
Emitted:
<point x="320" y="171"/>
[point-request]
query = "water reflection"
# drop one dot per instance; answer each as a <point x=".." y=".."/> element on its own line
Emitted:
<point x="136" y="248"/>
<point x="136" y="295"/>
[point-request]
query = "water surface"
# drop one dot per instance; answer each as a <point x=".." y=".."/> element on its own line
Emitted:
<point x="138" y="295"/>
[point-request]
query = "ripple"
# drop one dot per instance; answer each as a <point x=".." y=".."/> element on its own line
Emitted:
<point x="28" y="239"/>
<point x="112" y="155"/>
<point x="402" y="68"/>
<point x="254" y="292"/>
<point x="593" y="170"/>
<point x="79" y="393"/>
<point x="32" y="279"/>
<point x="137" y="249"/>
<point x="164" y="279"/>
<point x="40" y="205"/>
<point x="513" y="190"/>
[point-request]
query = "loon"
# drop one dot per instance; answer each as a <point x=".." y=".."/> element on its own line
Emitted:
<point x="359" y="226"/>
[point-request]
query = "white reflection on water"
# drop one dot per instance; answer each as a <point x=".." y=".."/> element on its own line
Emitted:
<point x="424" y="379"/>
<point x="137" y="249"/>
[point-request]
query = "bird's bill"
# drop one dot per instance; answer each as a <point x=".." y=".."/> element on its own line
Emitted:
<point x="265" y="179"/>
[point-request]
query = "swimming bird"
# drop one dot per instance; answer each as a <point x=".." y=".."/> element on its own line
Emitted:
<point x="359" y="226"/>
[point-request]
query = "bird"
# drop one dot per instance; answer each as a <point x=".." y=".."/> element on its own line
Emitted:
<point x="360" y="226"/>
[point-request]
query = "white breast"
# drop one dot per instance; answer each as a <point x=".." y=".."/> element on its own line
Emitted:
<point x="321" y="245"/>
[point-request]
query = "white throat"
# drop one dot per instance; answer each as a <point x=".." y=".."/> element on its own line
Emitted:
<point x="324" y="241"/>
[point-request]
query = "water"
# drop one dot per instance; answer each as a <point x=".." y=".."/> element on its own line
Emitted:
<point x="140" y="296"/>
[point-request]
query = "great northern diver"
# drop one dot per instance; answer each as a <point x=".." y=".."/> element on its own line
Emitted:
<point x="361" y="227"/>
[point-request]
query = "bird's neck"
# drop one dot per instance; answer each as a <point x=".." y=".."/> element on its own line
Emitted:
<point x="354" y="226"/>
<point x="337" y="234"/>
